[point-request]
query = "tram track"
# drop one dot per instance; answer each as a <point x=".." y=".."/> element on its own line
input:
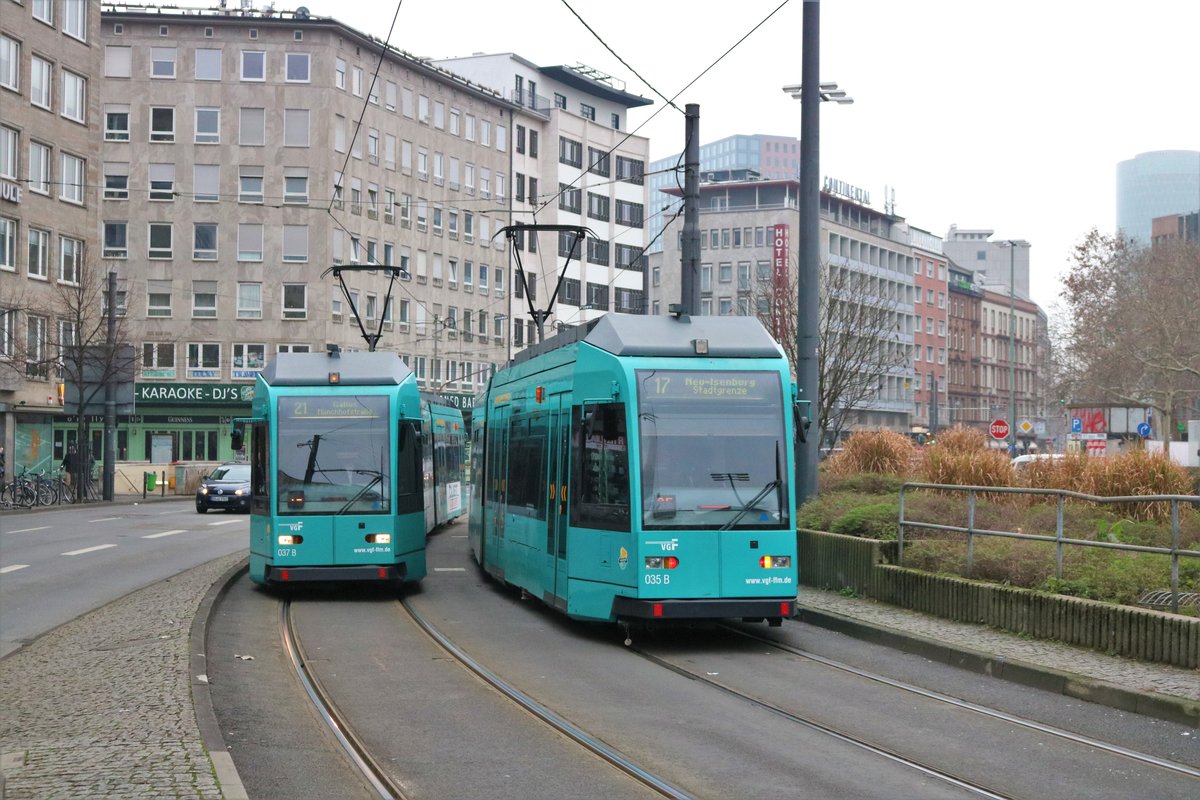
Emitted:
<point x="810" y="723"/>
<point x="991" y="713"/>
<point x="372" y="772"/>
<point x="596" y="747"/>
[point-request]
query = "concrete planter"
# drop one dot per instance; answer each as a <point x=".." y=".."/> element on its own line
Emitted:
<point x="834" y="561"/>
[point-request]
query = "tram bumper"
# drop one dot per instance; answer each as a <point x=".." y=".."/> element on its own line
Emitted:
<point x="389" y="573"/>
<point x="724" y="608"/>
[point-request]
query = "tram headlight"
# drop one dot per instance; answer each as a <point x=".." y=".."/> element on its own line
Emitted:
<point x="290" y="539"/>
<point x="379" y="538"/>
<point x="775" y="562"/>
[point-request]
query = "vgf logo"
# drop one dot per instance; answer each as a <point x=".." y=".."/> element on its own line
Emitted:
<point x="294" y="527"/>
<point x="667" y="546"/>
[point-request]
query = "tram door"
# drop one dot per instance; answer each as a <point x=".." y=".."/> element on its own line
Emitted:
<point x="496" y="485"/>
<point x="558" y="460"/>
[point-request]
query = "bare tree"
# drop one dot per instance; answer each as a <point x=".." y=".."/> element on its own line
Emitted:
<point x="67" y="339"/>
<point x="1131" y="335"/>
<point x="860" y="338"/>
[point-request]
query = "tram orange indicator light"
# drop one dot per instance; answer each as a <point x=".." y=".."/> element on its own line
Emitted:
<point x="778" y="562"/>
<point x="540" y="394"/>
<point x="671" y="562"/>
<point x="335" y="378"/>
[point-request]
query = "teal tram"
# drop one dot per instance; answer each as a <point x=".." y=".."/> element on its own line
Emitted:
<point x="339" y="474"/>
<point x="640" y="468"/>
<point x="442" y="460"/>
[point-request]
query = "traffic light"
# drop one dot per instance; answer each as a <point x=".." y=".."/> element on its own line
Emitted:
<point x="1062" y="401"/>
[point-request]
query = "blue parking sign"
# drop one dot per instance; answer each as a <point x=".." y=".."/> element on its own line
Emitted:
<point x="1076" y="424"/>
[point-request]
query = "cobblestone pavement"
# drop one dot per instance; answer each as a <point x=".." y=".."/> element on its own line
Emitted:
<point x="1128" y="674"/>
<point x="102" y="706"/>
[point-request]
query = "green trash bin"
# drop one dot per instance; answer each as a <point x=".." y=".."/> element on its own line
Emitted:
<point x="151" y="480"/>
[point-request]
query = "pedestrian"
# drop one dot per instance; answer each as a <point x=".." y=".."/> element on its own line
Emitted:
<point x="69" y="463"/>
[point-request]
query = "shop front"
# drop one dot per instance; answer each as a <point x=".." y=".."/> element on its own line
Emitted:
<point x="172" y="422"/>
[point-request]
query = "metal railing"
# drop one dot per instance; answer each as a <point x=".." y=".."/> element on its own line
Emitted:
<point x="1059" y="540"/>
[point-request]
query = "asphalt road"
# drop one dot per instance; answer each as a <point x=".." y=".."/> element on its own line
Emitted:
<point x="56" y="564"/>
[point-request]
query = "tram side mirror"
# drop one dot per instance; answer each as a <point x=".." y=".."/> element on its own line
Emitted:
<point x="801" y="421"/>
<point x="237" y="438"/>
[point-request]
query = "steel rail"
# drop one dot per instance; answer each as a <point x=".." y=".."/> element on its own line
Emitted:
<point x="891" y="755"/>
<point x="593" y="745"/>
<point x="379" y="780"/>
<point x="1040" y="727"/>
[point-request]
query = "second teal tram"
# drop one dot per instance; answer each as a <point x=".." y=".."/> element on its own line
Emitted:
<point x="640" y="468"/>
<point x="338" y="476"/>
<point x="443" y="455"/>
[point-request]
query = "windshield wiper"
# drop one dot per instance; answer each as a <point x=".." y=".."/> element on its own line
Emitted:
<point x="376" y="479"/>
<point x="775" y="484"/>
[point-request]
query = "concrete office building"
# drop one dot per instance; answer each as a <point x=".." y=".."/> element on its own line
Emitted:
<point x="573" y="164"/>
<point x="1156" y="184"/>
<point x="930" y="331"/>
<point x="748" y="230"/>
<point x="49" y="164"/>
<point x="772" y="157"/>
<point x="236" y="172"/>
<point x="991" y="261"/>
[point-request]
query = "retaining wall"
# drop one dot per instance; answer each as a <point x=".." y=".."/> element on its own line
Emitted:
<point x="835" y="561"/>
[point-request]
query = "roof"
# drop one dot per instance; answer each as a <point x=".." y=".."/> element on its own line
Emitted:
<point x="354" y="369"/>
<point x="568" y="76"/>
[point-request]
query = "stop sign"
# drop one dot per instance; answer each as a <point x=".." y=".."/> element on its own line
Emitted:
<point x="998" y="429"/>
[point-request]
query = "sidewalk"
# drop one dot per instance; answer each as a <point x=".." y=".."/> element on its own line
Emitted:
<point x="1157" y="690"/>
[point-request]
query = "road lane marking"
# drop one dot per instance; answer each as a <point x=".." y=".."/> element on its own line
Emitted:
<point x="27" y="530"/>
<point x="12" y="568"/>
<point x="164" y="533"/>
<point x="449" y="569"/>
<point x="227" y="522"/>
<point x="87" y="550"/>
<point x="104" y="519"/>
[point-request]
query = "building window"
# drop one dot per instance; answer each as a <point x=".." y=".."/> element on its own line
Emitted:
<point x="162" y="62"/>
<point x="10" y="63"/>
<point x="161" y="240"/>
<point x="204" y="241"/>
<point x="205" y="183"/>
<point x="297" y="67"/>
<point x="116" y="123"/>
<point x="630" y="170"/>
<point x="560" y="100"/>
<point x="629" y="213"/>
<point x="254" y="65"/>
<point x="39" y="168"/>
<point x="39" y="254"/>
<point x="208" y="64"/>
<point x="204" y="360"/>
<point x="208" y="125"/>
<point x="73" y="174"/>
<point x="250" y="184"/>
<point x="295" y="185"/>
<point x="570" y="152"/>
<point x="74" y="22"/>
<point x="116" y="181"/>
<point x="252" y="128"/>
<point x="162" y="182"/>
<point x="116" y="240"/>
<point x="162" y="124"/>
<point x="295" y="128"/>
<point x="70" y="262"/>
<point x="74" y="96"/>
<point x="587" y="112"/>
<point x="41" y="82"/>
<point x="295" y="243"/>
<point x="250" y="241"/>
<point x="8" y="244"/>
<point x="204" y="299"/>
<point x="249" y="301"/>
<point x="295" y="301"/>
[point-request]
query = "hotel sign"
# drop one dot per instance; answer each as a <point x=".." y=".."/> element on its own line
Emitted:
<point x="779" y="281"/>
<point x="10" y="192"/>
<point x="843" y="189"/>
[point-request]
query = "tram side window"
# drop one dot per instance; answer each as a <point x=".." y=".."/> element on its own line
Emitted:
<point x="409" y="479"/>
<point x="260" y="486"/>
<point x="600" y="452"/>
<point x="526" y="465"/>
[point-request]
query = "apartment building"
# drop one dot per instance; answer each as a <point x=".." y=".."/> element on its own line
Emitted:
<point x="574" y="164"/>
<point x="967" y="405"/>
<point x="49" y="163"/>
<point x="930" y="331"/>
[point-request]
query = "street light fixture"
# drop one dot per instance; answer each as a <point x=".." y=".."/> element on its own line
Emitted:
<point x="827" y="92"/>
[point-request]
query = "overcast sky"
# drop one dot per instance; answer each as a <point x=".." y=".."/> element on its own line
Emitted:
<point x="1009" y="116"/>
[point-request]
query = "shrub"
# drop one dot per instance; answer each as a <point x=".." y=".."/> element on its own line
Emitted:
<point x="1136" y="472"/>
<point x="966" y="467"/>
<point x="882" y="452"/>
<point x="875" y="521"/>
<point x="961" y="439"/>
<point x="863" y="483"/>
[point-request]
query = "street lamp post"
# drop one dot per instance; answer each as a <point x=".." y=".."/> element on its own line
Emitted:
<point x="1012" y="245"/>
<point x="808" y="375"/>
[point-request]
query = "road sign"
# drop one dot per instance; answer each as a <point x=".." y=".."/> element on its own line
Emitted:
<point x="998" y="429"/>
<point x="1143" y="430"/>
<point x="1026" y="426"/>
<point x="1076" y="424"/>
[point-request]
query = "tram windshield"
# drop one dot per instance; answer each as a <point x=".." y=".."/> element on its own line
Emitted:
<point x="333" y="455"/>
<point x="712" y="450"/>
